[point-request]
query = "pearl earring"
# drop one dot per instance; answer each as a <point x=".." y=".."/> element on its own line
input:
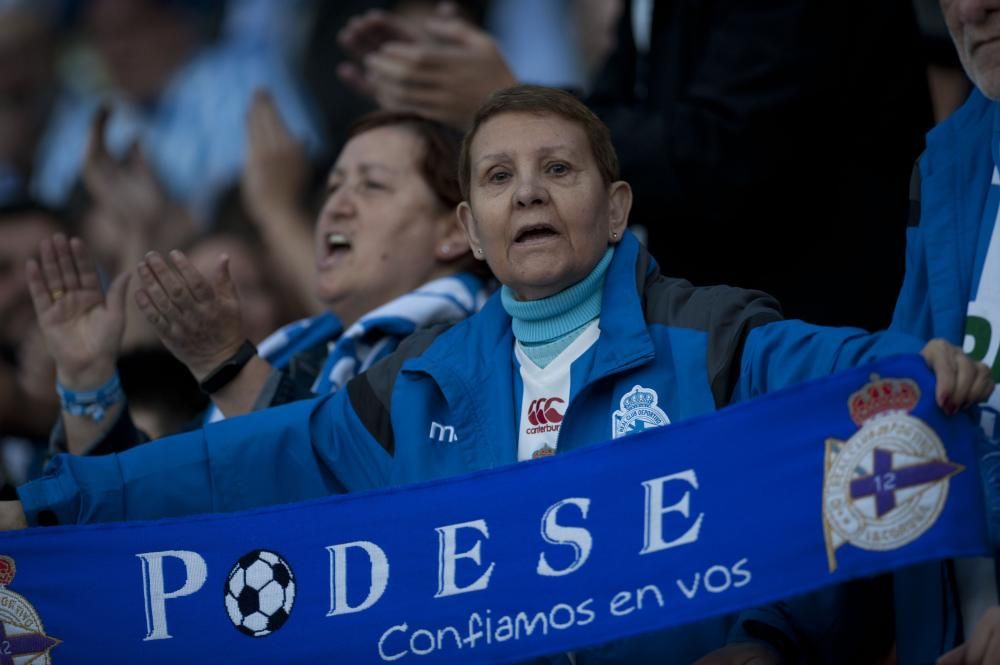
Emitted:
<point x="614" y="235"/>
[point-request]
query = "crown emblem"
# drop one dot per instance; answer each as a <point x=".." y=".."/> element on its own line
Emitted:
<point x="881" y="396"/>
<point x="7" y="570"/>
<point x="638" y="398"/>
<point x="638" y="412"/>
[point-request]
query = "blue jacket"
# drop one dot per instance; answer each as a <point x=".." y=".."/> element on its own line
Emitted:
<point x="946" y="243"/>
<point x="443" y="405"/>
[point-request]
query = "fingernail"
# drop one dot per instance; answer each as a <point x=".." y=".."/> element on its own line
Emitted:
<point x="176" y="254"/>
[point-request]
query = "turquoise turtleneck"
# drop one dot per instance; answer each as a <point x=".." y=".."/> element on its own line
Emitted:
<point x="547" y="326"/>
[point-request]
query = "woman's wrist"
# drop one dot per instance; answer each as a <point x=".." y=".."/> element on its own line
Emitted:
<point x="93" y="404"/>
<point x="89" y="377"/>
<point x="227" y="369"/>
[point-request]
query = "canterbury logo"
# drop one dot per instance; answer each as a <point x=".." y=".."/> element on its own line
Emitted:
<point x="541" y="411"/>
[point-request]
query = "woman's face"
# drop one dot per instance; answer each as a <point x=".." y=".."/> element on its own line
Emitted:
<point x="382" y="229"/>
<point x="538" y="206"/>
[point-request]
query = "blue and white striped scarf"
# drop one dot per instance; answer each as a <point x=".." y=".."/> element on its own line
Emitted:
<point x="373" y="336"/>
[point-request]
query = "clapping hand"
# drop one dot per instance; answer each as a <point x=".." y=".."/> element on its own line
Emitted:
<point x="197" y="319"/>
<point x="82" y="328"/>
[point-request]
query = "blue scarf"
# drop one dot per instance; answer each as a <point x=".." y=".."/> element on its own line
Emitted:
<point x="844" y="477"/>
<point x="373" y="336"/>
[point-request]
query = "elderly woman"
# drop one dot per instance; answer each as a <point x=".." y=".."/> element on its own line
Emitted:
<point x="584" y="318"/>
<point x="390" y="258"/>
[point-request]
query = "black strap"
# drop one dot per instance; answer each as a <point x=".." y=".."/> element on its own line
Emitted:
<point x="220" y="377"/>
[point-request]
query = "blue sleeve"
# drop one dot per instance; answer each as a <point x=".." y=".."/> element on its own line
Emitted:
<point x="913" y="310"/>
<point x="784" y="353"/>
<point x="292" y="453"/>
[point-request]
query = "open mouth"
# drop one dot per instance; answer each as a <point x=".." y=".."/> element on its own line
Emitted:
<point x="336" y="245"/>
<point x="535" y="233"/>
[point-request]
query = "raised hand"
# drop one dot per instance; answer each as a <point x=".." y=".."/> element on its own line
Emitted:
<point x="276" y="169"/>
<point x="129" y="195"/>
<point x="198" y="319"/>
<point x="445" y="72"/>
<point x="82" y="328"/>
<point x="127" y="189"/>
<point x="370" y="31"/>
<point x="961" y="381"/>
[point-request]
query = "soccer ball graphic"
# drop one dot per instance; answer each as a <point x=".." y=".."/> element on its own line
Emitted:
<point x="260" y="591"/>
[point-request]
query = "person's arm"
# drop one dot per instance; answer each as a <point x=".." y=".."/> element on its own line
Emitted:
<point x="781" y="354"/>
<point x="120" y="435"/>
<point x="272" y="185"/>
<point x="82" y="330"/>
<point x="292" y="453"/>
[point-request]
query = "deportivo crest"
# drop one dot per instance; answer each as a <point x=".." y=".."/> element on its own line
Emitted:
<point x="22" y="636"/>
<point x="638" y="412"/>
<point x="887" y="484"/>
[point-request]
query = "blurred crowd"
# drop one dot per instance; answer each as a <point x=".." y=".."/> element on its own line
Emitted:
<point x="769" y="145"/>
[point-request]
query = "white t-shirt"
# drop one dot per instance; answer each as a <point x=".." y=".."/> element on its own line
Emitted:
<point x="546" y="395"/>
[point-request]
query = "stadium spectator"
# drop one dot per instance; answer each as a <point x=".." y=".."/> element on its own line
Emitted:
<point x="180" y="97"/>
<point x="388" y="255"/>
<point x="27" y="89"/>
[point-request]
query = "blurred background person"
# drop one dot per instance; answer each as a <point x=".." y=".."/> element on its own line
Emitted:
<point x="28" y="403"/>
<point x="388" y="255"/>
<point x="172" y="90"/>
<point x="28" y="88"/>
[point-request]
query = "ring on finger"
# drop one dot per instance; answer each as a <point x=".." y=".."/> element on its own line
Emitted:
<point x="57" y="294"/>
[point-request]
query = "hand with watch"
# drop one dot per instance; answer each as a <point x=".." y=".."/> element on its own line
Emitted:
<point x="198" y="319"/>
